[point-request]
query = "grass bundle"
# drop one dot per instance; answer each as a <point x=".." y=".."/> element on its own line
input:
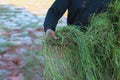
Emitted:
<point x="76" y="53"/>
<point x="94" y="55"/>
<point x="57" y="68"/>
<point x="114" y="10"/>
<point x="101" y="39"/>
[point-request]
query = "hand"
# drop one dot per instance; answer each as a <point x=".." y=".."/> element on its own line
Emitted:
<point x="51" y="33"/>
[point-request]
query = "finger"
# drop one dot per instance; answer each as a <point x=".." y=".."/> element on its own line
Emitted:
<point x="52" y="34"/>
<point x="55" y="38"/>
<point x="48" y="33"/>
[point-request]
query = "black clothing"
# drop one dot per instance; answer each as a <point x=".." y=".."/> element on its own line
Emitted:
<point x="78" y="11"/>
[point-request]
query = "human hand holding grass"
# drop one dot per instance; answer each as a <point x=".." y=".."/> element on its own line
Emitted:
<point x="51" y="33"/>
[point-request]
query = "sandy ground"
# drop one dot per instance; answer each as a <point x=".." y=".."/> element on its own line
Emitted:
<point x="35" y="6"/>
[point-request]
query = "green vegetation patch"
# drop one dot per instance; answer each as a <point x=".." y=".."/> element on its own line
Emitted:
<point x="93" y="55"/>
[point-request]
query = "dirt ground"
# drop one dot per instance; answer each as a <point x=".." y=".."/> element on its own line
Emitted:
<point x="15" y="60"/>
<point x="21" y="39"/>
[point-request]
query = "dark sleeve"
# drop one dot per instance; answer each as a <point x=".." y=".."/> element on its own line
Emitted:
<point x="54" y="13"/>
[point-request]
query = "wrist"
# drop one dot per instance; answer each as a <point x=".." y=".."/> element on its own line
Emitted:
<point x="49" y="27"/>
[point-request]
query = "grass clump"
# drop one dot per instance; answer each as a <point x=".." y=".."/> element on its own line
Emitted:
<point x="93" y="55"/>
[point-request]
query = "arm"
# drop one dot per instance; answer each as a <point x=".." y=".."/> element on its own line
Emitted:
<point x="55" y="12"/>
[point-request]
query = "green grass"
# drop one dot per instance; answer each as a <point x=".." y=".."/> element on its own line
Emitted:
<point x="93" y="55"/>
